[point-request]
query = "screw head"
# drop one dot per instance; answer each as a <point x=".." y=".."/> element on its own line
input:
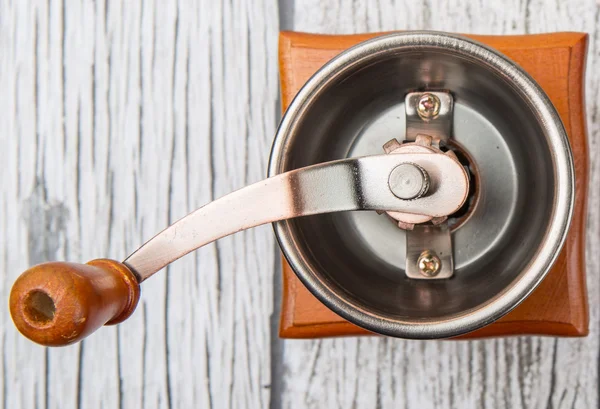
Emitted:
<point x="429" y="264"/>
<point x="428" y="106"/>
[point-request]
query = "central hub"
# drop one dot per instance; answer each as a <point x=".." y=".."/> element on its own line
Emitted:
<point x="409" y="181"/>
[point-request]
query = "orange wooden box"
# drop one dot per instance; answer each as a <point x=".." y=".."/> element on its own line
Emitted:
<point x="559" y="305"/>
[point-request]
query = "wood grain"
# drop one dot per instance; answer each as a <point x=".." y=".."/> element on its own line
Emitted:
<point x="524" y="372"/>
<point x="118" y="116"/>
<point x="59" y="303"/>
<point x="559" y="305"/>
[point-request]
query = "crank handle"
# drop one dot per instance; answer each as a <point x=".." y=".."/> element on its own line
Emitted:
<point x="59" y="303"/>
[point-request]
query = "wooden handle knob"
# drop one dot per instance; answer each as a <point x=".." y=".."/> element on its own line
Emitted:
<point x="59" y="303"/>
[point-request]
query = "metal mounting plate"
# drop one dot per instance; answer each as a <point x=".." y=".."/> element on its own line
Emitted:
<point x="435" y="239"/>
<point x="421" y="238"/>
<point x="439" y="127"/>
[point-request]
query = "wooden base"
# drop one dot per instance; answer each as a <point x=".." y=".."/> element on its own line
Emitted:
<point x="559" y="305"/>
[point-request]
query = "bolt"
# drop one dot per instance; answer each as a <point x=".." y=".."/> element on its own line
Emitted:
<point x="428" y="106"/>
<point x="408" y="181"/>
<point x="429" y="264"/>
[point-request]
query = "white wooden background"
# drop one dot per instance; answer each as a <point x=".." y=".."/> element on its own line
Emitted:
<point x="119" y="116"/>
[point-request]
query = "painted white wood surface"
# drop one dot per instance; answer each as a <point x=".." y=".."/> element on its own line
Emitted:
<point x="117" y="117"/>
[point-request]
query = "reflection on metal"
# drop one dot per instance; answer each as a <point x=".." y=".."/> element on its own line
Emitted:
<point x="437" y="125"/>
<point x="499" y="113"/>
<point x="423" y="144"/>
<point x="337" y="186"/>
<point x="428" y="106"/>
<point x="409" y="181"/>
<point x="428" y="121"/>
<point x="429" y="263"/>
<point x="436" y="241"/>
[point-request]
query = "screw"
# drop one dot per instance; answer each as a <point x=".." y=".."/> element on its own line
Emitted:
<point x="429" y="264"/>
<point x="428" y="106"/>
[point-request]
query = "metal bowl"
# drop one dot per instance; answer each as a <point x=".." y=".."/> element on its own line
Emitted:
<point x="354" y="262"/>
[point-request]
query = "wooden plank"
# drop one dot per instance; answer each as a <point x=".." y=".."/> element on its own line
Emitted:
<point x="119" y="117"/>
<point x="526" y="372"/>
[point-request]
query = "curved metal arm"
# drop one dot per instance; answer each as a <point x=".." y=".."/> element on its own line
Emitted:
<point x="61" y="303"/>
<point x="348" y="184"/>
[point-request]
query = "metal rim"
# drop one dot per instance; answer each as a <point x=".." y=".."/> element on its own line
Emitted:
<point x="559" y="222"/>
